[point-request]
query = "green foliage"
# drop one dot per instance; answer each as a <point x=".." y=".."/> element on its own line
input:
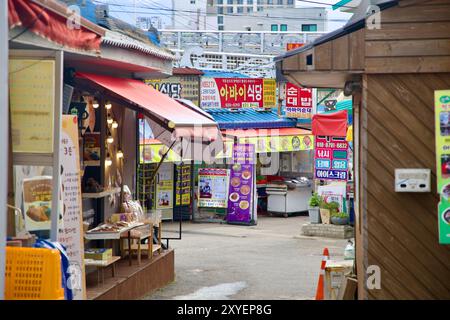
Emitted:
<point x="315" y="200"/>
<point x="342" y="215"/>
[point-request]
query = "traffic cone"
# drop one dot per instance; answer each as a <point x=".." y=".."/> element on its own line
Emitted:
<point x="320" y="288"/>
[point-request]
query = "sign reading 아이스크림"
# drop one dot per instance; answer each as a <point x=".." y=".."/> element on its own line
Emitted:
<point x="331" y="158"/>
<point x="442" y="137"/>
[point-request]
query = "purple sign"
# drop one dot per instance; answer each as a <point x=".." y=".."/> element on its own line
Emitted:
<point x="240" y="196"/>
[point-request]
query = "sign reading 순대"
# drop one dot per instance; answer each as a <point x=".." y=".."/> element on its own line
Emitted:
<point x="299" y="102"/>
<point x="237" y="93"/>
<point x="331" y="158"/>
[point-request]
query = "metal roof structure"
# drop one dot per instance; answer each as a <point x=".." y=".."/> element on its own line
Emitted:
<point x="250" y="119"/>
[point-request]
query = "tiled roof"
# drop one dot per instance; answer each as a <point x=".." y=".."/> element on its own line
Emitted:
<point x="187" y="71"/>
<point x="249" y="118"/>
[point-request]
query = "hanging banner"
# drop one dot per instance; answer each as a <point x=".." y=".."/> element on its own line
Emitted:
<point x="299" y="102"/>
<point x="331" y="158"/>
<point x="442" y="137"/>
<point x="240" y="200"/>
<point x="292" y="46"/>
<point x="213" y="187"/>
<point x="237" y="93"/>
<point x="37" y="200"/>
<point x="266" y="144"/>
<point x="70" y="233"/>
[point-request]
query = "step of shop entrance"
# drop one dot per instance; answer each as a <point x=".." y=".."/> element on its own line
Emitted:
<point x="135" y="281"/>
<point x="328" y="230"/>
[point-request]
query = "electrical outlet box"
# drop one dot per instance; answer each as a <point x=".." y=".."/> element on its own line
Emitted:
<point x="412" y="180"/>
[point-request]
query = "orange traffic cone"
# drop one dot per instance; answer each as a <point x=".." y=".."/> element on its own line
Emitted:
<point x="320" y="288"/>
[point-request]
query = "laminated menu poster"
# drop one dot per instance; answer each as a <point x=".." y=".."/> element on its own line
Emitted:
<point x="70" y="233"/>
<point x="442" y="132"/>
<point x="37" y="200"/>
<point x="240" y="200"/>
<point x="164" y="187"/>
<point x="212" y="187"/>
<point x="183" y="188"/>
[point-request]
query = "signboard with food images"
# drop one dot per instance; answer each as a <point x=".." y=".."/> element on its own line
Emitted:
<point x="331" y="158"/>
<point x="299" y="102"/>
<point x="37" y="200"/>
<point x="237" y="93"/>
<point x="213" y="187"/>
<point x="442" y="137"/>
<point x="266" y="144"/>
<point x="241" y="184"/>
<point x="183" y="188"/>
<point x="70" y="233"/>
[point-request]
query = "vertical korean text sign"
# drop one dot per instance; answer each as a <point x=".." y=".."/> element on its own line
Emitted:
<point x="442" y="137"/>
<point x="240" y="200"/>
<point x="331" y="158"/>
<point x="299" y="102"/>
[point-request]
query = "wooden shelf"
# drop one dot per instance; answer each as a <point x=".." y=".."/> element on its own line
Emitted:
<point x="100" y="263"/>
<point x="102" y="194"/>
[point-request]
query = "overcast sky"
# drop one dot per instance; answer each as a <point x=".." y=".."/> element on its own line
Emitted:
<point x="125" y="10"/>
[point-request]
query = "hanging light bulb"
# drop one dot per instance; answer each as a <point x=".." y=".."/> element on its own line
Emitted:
<point x="95" y="104"/>
<point x="108" y="105"/>
<point x="115" y="125"/>
<point x="109" y="120"/>
<point x="120" y="154"/>
<point x="110" y="138"/>
<point x="108" y="160"/>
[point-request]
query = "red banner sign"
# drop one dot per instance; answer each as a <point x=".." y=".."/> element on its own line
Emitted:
<point x="292" y="46"/>
<point x="299" y="102"/>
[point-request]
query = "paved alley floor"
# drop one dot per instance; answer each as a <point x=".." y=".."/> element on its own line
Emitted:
<point x="268" y="261"/>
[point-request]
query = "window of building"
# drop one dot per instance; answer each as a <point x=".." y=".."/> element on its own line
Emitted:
<point x="274" y="27"/>
<point x="280" y="2"/>
<point x="230" y="1"/>
<point x="220" y="10"/>
<point x="192" y="1"/>
<point x="220" y="28"/>
<point x="219" y="19"/>
<point x="240" y="1"/>
<point x="230" y="10"/>
<point x="219" y="1"/>
<point x="249" y="9"/>
<point x="269" y="1"/>
<point x="260" y="8"/>
<point x="240" y="9"/>
<point x="309" y="27"/>
<point x="283" y="27"/>
<point x="249" y="1"/>
<point x="290" y="1"/>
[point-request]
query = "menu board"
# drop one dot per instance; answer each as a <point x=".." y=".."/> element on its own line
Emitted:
<point x="331" y="158"/>
<point x="212" y="187"/>
<point x="442" y="137"/>
<point x="241" y="184"/>
<point x="32" y="101"/>
<point x="183" y="187"/>
<point x="37" y="202"/>
<point x="70" y="233"/>
<point x="164" y="187"/>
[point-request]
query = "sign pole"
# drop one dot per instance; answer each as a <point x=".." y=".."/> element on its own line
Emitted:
<point x="4" y="145"/>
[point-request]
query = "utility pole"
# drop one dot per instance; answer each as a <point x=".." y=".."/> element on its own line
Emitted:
<point x="4" y="145"/>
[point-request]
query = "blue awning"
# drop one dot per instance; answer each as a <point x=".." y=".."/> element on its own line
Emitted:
<point x="250" y="119"/>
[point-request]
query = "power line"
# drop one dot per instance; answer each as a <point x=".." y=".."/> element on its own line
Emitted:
<point x="224" y="14"/>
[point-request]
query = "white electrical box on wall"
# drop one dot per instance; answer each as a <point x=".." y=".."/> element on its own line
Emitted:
<point x="412" y="180"/>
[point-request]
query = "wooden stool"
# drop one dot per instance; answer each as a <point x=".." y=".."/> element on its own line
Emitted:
<point x="137" y="236"/>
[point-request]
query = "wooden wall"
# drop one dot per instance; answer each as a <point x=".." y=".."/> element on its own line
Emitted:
<point x="400" y="230"/>
<point x="406" y="41"/>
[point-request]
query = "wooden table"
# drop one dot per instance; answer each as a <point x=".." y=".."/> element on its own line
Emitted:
<point x="102" y="265"/>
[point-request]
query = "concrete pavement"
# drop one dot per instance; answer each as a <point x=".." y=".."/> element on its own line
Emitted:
<point x="268" y="261"/>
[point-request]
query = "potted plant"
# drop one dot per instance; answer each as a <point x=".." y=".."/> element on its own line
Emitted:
<point x="340" y="218"/>
<point x="313" y="210"/>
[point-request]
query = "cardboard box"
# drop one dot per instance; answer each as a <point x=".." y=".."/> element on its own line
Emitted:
<point x="98" y="253"/>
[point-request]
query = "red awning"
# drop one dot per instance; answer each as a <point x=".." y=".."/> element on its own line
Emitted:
<point x="330" y="124"/>
<point x="168" y="119"/>
<point x="250" y="133"/>
<point x="51" y="25"/>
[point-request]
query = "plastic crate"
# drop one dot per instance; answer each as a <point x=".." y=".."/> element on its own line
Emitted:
<point x="33" y="274"/>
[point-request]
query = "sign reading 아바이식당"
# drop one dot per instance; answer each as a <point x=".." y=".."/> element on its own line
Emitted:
<point x="237" y="93"/>
<point x="331" y="158"/>
<point x="442" y="137"/>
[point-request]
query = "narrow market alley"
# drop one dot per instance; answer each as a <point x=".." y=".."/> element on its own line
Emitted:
<point x="271" y="260"/>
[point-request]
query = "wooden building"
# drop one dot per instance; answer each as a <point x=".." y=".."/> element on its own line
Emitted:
<point x="392" y="72"/>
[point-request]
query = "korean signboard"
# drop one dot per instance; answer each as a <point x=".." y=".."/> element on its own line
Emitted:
<point x="178" y="87"/>
<point x="292" y="46"/>
<point x="299" y="102"/>
<point x="331" y="158"/>
<point x="442" y="133"/>
<point x="237" y="93"/>
<point x="37" y="200"/>
<point x="240" y="200"/>
<point x="213" y="187"/>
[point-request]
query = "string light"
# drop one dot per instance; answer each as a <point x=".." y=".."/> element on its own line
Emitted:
<point x="110" y="120"/>
<point x="119" y="154"/>
<point x="108" y="105"/>
<point x="110" y="138"/>
<point x="95" y="104"/>
<point x="115" y="125"/>
<point x="108" y="160"/>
